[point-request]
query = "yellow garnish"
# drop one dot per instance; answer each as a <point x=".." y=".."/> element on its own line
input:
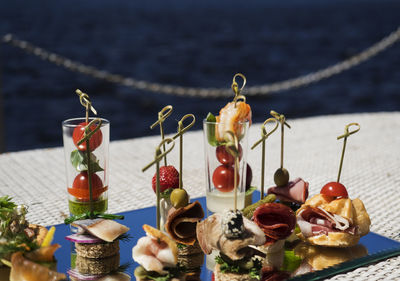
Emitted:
<point x="49" y="237"/>
<point x="6" y="262"/>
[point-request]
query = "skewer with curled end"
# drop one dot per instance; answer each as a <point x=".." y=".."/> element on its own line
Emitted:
<point x="162" y="115"/>
<point x="158" y="156"/>
<point x="336" y="188"/>
<point x="179" y="197"/>
<point x="264" y="136"/>
<point x="281" y="176"/>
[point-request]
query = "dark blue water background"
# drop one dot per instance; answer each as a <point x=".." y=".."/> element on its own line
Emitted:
<point x="189" y="43"/>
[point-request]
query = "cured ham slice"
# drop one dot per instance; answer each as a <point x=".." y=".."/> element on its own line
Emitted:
<point x="181" y="223"/>
<point x="294" y="191"/>
<point x="26" y="270"/>
<point x="211" y="237"/>
<point x="317" y="221"/>
<point x="277" y="221"/>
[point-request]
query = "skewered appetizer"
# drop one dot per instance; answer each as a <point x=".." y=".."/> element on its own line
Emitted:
<point x="96" y="246"/>
<point x="181" y="226"/>
<point x="333" y="221"/>
<point x="235" y="237"/>
<point x="90" y="181"/>
<point x="24" y="247"/>
<point x="331" y="218"/>
<point x="278" y="222"/>
<point x="296" y="191"/>
<point x="157" y="255"/>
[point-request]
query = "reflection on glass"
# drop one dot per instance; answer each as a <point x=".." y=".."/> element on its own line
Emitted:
<point x="317" y="257"/>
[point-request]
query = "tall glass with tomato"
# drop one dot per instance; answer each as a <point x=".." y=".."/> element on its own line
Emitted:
<point x="220" y="170"/>
<point x="77" y="161"/>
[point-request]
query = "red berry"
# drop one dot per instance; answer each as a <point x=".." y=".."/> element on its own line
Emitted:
<point x="223" y="178"/>
<point x="224" y="157"/>
<point x="94" y="142"/>
<point x="169" y="178"/>
<point x="335" y="189"/>
<point x="249" y="177"/>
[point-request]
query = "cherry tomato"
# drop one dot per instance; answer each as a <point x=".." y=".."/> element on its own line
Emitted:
<point x="335" y="189"/>
<point x="224" y="157"/>
<point x="80" y="187"/>
<point x="94" y="142"/>
<point x="223" y="179"/>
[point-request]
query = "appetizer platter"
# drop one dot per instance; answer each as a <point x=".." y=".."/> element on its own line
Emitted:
<point x="233" y="233"/>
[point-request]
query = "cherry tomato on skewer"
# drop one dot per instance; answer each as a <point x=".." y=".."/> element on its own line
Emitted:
<point x="223" y="178"/>
<point x="80" y="187"/>
<point x="94" y="142"/>
<point x="224" y="157"/>
<point x="335" y="189"/>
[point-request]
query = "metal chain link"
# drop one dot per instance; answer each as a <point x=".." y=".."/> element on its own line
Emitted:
<point x="300" y="81"/>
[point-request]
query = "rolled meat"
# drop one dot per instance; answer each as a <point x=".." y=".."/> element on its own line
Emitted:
<point x="276" y="220"/>
<point x="181" y="223"/>
<point x="294" y="191"/>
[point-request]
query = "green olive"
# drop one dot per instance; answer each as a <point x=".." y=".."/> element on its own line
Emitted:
<point x="179" y="198"/>
<point x="281" y="177"/>
<point x="140" y="272"/>
<point x="246" y="264"/>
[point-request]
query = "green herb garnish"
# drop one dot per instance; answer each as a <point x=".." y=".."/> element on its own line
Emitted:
<point x="235" y="267"/>
<point x="79" y="161"/>
<point x="95" y="215"/>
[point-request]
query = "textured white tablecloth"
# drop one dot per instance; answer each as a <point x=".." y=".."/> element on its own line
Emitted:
<point x="370" y="172"/>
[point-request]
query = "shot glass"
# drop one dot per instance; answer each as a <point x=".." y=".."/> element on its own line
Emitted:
<point x="219" y="166"/>
<point x="77" y="159"/>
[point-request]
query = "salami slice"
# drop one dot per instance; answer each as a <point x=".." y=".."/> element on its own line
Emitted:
<point x="276" y="220"/>
<point x="181" y="223"/>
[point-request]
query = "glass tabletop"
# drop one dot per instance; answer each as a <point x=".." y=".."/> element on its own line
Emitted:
<point x="369" y="245"/>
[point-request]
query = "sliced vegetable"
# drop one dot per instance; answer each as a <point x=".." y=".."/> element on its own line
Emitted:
<point x="49" y="237"/>
<point x="83" y="238"/>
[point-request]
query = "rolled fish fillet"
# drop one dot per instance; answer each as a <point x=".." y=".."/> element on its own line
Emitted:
<point x="211" y="237"/>
<point x="181" y="223"/>
<point x="107" y="230"/>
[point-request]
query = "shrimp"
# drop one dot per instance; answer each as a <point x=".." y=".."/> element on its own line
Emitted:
<point x="230" y="119"/>
<point x="155" y="251"/>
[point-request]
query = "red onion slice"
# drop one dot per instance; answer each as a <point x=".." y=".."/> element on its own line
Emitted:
<point x="83" y="238"/>
<point x="74" y="273"/>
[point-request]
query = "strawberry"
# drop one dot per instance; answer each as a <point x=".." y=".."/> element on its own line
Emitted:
<point x="169" y="178"/>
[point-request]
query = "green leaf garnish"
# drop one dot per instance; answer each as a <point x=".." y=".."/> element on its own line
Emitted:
<point x="166" y="193"/>
<point x="234" y="267"/>
<point x="212" y="140"/>
<point x="290" y="261"/>
<point x="95" y="215"/>
<point x="181" y="246"/>
<point x="79" y="161"/>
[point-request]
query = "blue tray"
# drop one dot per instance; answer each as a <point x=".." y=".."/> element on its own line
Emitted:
<point x="373" y="242"/>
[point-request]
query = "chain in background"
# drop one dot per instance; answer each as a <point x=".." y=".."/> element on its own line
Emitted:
<point x="300" y="81"/>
